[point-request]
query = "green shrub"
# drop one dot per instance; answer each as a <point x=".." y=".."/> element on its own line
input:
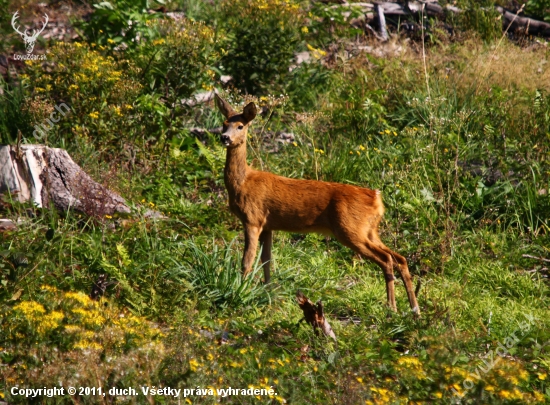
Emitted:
<point x="5" y="25"/>
<point x="177" y="62"/>
<point x="100" y="91"/>
<point x="14" y="112"/>
<point x="539" y="9"/>
<point x="329" y="22"/>
<point x="262" y="38"/>
<point x="482" y="18"/>
<point x="118" y="21"/>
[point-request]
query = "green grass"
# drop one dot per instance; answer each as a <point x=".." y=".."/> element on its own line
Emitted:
<point x="465" y="176"/>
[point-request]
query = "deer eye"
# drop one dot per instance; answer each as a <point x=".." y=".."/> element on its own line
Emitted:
<point x="240" y="127"/>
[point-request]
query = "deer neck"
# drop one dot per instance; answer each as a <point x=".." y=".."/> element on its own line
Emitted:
<point x="236" y="167"/>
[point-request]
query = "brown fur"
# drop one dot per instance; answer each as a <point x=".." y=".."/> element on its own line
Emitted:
<point x="265" y="202"/>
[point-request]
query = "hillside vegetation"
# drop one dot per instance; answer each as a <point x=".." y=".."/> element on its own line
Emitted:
<point x="452" y="125"/>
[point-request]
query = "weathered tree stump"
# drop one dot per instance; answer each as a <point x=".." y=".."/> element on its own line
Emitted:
<point x="49" y="177"/>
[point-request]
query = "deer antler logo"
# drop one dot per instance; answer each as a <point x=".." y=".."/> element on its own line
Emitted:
<point x="30" y="40"/>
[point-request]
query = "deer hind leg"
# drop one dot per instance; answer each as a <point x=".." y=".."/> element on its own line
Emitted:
<point x="372" y="252"/>
<point x="266" y="241"/>
<point x="251" y="234"/>
<point x="403" y="269"/>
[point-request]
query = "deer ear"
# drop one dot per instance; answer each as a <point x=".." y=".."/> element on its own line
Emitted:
<point x="249" y="112"/>
<point x="224" y="107"/>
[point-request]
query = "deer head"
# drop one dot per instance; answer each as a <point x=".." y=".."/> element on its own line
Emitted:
<point x="235" y="127"/>
<point x="30" y="40"/>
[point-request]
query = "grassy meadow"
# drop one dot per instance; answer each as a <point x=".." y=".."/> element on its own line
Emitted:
<point x="452" y="126"/>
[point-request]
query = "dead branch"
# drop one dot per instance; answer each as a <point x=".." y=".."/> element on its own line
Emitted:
<point x="542" y="259"/>
<point x="313" y="314"/>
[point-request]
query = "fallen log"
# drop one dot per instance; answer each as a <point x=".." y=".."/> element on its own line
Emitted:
<point x="529" y="25"/>
<point x="48" y="177"/>
<point x="510" y="19"/>
<point x="313" y="314"/>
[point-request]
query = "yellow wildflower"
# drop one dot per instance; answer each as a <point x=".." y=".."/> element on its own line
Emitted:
<point x="505" y="394"/>
<point x="49" y="288"/>
<point x="79" y="297"/>
<point x="89" y="318"/>
<point x="30" y="309"/>
<point x="49" y="322"/>
<point x="193" y="364"/>
<point x="85" y="344"/>
<point x="72" y="328"/>
<point x="316" y="53"/>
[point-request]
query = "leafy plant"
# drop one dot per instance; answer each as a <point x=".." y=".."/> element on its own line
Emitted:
<point x="119" y="21"/>
<point x="262" y="36"/>
<point x="216" y="277"/>
<point x="329" y="22"/>
<point x="177" y="62"/>
<point x="101" y="93"/>
<point x="14" y="112"/>
<point x="482" y="18"/>
<point x="538" y="9"/>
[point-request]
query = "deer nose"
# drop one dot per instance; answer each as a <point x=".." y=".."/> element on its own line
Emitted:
<point x="225" y="138"/>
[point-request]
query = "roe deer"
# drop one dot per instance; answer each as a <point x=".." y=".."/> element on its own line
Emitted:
<point x="265" y="202"/>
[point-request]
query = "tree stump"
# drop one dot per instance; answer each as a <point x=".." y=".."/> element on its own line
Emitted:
<point x="49" y="177"/>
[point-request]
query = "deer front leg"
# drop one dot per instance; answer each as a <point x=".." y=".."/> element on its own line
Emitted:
<point x="266" y="240"/>
<point x="251" y="234"/>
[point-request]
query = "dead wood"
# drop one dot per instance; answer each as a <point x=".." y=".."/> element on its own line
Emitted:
<point x="382" y="22"/>
<point x="313" y="314"/>
<point x="48" y="177"/>
<point x="542" y="259"/>
<point x="529" y="26"/>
